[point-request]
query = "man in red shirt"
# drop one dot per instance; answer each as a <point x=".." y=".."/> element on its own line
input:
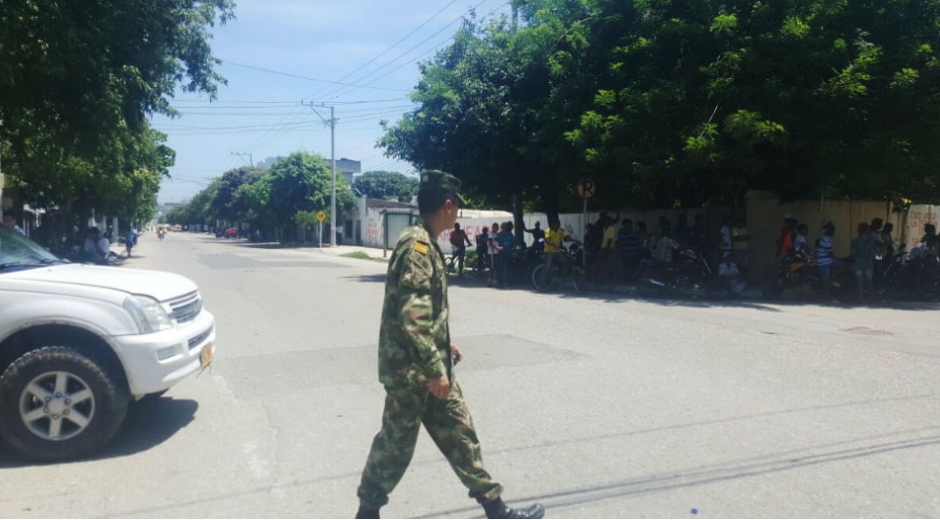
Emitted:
<point x="786" y="235"/>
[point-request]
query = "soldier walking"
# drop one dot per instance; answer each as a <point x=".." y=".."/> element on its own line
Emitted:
<point x="416" y="360"/>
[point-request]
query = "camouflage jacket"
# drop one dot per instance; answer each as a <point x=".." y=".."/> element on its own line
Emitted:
<point x="414" y="338"/>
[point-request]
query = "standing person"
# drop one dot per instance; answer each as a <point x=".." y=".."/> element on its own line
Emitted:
<point x="504" y="257"/>
<point x="666" y="247"/>
<point x="864" y="249"/>
<point x="130" y="240"/>
<point x="482" y="249"/>
<point x="784" y="230"/>
<point x="644" y="238"/>
<point x="606" y="255"/>
<point x="874" y="229"/>
<point x="930" y="231"/>
<point x="538" y="236"/>
<point x="10" y="222"/>
<point x="592" y="238"/>
<point x="888" y="240"/>
<point x="740" y="237"/>
<point x="787" y="237"/>
<point x="416" y="362"/>
<point x="724" y="234"/>
<point x="628" y="245"/>
<point x="493" y="244"/>
<point x="824" y="259"/>
<point x="459" y="240"/>
<point x="555" y="237"/>
<point x="683" y="233"/>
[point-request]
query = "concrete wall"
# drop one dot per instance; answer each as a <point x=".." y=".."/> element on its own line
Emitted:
<point x="765" y="216"/>
<point x="763" y="213"/>
<point x="917" y="216"/>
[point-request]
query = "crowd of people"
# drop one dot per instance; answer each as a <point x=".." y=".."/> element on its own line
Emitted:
<point x="617" y="247"/>
<point x="612" y="245"/>
<point x="872" y="252"/>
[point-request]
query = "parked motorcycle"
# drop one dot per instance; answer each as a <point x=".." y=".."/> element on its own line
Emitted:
<point x="798" y="271"/>
<point x="689" y="276"/>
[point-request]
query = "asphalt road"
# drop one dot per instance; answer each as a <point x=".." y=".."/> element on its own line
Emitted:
<point x="595" y="407"/>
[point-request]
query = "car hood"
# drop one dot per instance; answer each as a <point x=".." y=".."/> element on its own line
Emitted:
<point x="156" y="284"/>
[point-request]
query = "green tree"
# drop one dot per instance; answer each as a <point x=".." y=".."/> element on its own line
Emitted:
<point x="79" y="80"/>
<point x="386" y="185"/>
<point x="302" y="182"/>
<point x="699" y="101"/>
<point x="225" y="204"/>
<point x="495" y="105"/>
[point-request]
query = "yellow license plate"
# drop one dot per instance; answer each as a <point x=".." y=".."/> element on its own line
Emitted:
<point x="205" y="356"/>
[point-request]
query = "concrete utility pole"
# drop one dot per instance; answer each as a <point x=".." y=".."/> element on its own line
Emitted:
<point x="251" y="161"/>
<point x="332" y="124"/>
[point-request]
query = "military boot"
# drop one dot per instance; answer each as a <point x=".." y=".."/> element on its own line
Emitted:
<point x="498" y="509"/>
<point x="365" y="512"/>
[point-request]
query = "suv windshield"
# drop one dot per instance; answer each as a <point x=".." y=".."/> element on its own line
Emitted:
<point x="19" y="252"/>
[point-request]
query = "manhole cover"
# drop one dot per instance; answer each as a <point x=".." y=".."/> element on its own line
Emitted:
<point x="868" y="332"/>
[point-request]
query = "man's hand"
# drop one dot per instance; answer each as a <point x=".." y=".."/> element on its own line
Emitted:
<point x="439" y="387"/>
<point x="455" y="354"/>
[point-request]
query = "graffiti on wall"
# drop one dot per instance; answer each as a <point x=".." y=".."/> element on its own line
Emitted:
<point x="918" y="216"/>
<point x="373" y="232"/>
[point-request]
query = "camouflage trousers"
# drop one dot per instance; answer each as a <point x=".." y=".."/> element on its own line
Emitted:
<point x="450" y="426"/>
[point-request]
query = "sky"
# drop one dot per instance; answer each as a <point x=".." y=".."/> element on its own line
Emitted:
<point x="279" y="56"/>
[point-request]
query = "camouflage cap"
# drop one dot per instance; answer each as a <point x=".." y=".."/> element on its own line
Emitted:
<point x="438" y="180"/>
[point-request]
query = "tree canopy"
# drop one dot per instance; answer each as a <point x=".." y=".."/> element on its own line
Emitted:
<point x="281" y="199"/>
<point x="670" y="102"/>
<point x="386" y="185"/>
<point x="79" y="81"/>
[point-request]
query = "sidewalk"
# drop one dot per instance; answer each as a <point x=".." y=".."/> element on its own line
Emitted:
<point x="373" y="253"/>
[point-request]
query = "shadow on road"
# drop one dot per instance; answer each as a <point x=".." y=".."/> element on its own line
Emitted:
<point x="148" y="424"/>
<point x="368" y="278"/>
<point x="623" y="291"/>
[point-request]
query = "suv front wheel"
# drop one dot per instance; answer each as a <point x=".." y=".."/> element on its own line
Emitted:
<point x="57" y="403"/>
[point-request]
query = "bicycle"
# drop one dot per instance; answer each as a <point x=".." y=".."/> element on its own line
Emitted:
<point x="564" y="270"/>
<point x="481" y="264"/>
<point x="451" y="263"/>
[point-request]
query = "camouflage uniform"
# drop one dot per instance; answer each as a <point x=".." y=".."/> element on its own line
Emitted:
<point x="414" y="347"/>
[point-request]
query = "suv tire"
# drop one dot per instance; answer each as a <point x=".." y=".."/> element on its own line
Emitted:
<point x="57" y="403"/>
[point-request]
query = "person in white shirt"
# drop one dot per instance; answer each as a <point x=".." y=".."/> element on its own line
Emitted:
<point x="96" y="247"/>
<point x="800" y="242"/>
<point x="729" y="274"/>
<point x="725" y="231"/>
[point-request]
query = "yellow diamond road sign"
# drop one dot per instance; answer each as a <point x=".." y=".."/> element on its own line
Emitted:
<point x="321" y="216"/>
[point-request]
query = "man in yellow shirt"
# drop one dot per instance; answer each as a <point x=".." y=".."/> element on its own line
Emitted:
<point x="555" y="237"/>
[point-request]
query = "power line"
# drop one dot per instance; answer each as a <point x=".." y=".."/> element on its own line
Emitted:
<point x="392" y="46"/>
<point x="221" y="105"/>
<point x="298" y="76"/>
<point x="459" y="18"/>
<point x="373" y="80"/>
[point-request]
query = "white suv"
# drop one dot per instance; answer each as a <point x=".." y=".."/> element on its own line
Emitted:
<point x="79" y="342"/>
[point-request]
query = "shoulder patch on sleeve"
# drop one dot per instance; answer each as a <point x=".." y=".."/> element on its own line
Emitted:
<point x="421" y="247"/>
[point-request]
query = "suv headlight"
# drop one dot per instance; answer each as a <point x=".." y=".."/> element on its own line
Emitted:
<point x="148" y="314"/>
